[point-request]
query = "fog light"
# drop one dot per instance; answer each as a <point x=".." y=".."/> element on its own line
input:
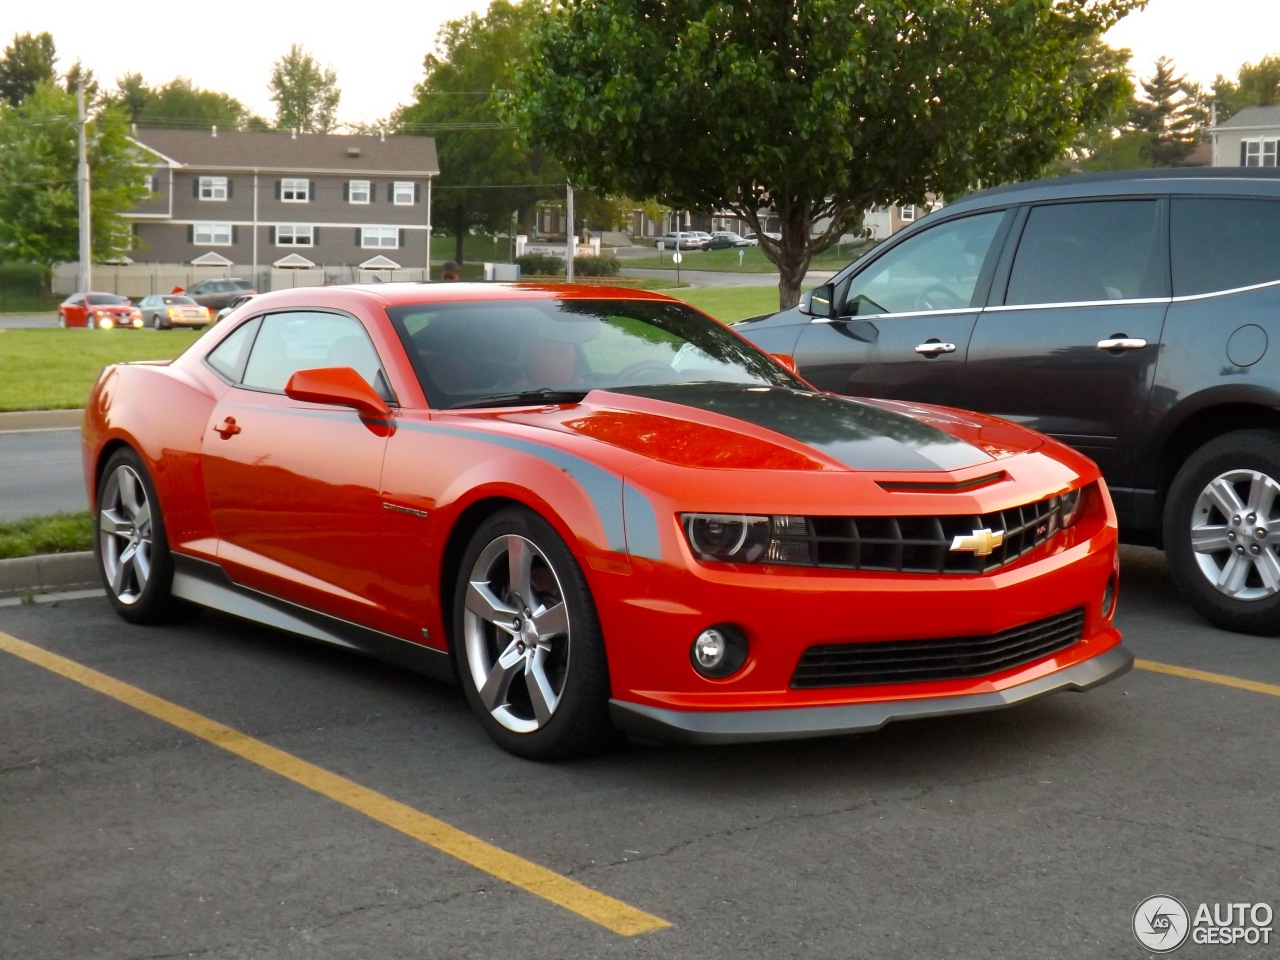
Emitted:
<point x="719" y="651"/>
<point x="1109" y="598"/>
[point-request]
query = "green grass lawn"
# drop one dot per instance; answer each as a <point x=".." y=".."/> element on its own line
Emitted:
<point x="54" y="369"/>
<point x="59" y="533"/>
<point x="742" y="259"/>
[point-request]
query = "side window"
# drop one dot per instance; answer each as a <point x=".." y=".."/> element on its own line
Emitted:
<point x="934" y="270"/>
<point x="1221" y="244"/>
<point x="229" y="356"/>
<point x="289" y="342"/>
<point x="1089" y="251"/>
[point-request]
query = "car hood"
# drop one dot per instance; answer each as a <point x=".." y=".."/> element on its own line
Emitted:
<point x="731" y="426"/>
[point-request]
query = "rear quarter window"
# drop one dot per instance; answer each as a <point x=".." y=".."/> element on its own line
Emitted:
<point x="1221" y="243"/>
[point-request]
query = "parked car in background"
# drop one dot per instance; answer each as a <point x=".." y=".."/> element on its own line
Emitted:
<point x="165" y="310"/>
<point x="684" y="240"/>
<point x="233" y="304"/>
<point x="216" y="294"/>
<point x="102" y="311"/>
<point x="1129" y="315"/>
<point x="754" y="239"/>
<point x="722" y="239"/>
<point x="599" y="510"/>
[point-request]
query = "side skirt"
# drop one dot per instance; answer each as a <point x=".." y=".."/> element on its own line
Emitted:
<point x="207" y="584"/>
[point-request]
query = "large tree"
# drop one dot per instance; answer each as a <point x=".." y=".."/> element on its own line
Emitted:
<point x="180" y="104"/>
<point x="1168" y="117"/>
<point x="485" y="174"/>
<point x="27" y="61"/>
<point x="306" y="95"/>
<point x="1256" y="85"/>
<point x="816" y="109"/>
<point x="39" y="196"/>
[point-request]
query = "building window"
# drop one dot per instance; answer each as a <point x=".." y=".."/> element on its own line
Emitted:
<point x="359" y="191"/>
<point x="149" y="183"/>
<point x="1259" y="152"/>
<point x="293" y="190"/>
<point x="213" y="188"/>
<point x="212" y="234"/>
<point x="908" y="212"/>
<point x="295" y="235"/>
<point x="380" y="237"/>
<point x="402" y="193"/>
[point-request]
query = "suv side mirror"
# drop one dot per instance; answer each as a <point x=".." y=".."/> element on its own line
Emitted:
<point x="819" y="301"/>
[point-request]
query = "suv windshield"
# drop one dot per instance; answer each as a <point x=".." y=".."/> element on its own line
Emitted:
<point x="492" y="353"/>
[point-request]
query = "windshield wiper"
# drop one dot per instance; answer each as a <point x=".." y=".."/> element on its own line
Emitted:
<point x="541" y="395"/>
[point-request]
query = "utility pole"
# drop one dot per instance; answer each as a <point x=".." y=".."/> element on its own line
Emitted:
<point x="86" y="233"/>
<point x="570" y="241"/>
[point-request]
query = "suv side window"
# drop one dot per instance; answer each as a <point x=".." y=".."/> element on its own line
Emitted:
<point x="1088" y="252"/>
<point x="937" y="269"/>
<point x="1221" y="244"/>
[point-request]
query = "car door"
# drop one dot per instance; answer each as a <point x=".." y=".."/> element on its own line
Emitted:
<point x="1069" y="346"/>
<point x="902" y="323"/>
<point x="293" y="487"/>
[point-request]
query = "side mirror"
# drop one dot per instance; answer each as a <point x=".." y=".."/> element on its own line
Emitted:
<point x="341" y="386"/>
<point x="787" y="361"/>
<point x="818" y="302"/>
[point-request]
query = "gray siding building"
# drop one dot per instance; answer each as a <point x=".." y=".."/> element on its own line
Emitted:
<point x="262" y="199"/>
<point x="1249" y="139"/>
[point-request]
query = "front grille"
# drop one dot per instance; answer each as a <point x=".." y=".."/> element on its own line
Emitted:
<point x="917" y="544"/>
<point x="949" y="658"/>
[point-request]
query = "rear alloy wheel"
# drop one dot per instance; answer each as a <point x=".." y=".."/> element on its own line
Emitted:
<point x="130" y="547"/>
<point x="155" y="322"/>
<point x="1222" y="531"/>
<point x="528" y="641"/>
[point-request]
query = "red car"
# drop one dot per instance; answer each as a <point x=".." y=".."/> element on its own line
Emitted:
<point x="102" y="311"/>
<point x="600" y="511"/>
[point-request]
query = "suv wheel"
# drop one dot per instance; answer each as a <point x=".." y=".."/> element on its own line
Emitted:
<point x="1222" y="531"/>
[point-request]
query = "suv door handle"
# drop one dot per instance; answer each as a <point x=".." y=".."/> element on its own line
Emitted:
<point x="1122" y="343"/>
<point x="933" y="348"/>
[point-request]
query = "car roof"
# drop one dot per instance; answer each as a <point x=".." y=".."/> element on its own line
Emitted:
<point x="1184" y="180"/>
<point x="385" y="295"/>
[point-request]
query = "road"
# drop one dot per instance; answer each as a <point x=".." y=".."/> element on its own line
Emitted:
<point x="40" y="473"/>
<point x="317" y="822"/>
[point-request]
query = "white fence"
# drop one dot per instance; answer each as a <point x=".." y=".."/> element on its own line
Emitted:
<point x="138" y="280"/>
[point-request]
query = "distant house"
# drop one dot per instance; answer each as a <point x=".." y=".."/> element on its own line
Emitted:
<point x="262" y="199"/>
<point x="1251" y="138"/>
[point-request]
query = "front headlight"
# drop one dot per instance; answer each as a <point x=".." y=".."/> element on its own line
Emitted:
<point x="1069" y="505"/>
<point x="747" y="538"/>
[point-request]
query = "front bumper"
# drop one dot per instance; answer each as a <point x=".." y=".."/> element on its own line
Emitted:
<point x="794" y="723"/>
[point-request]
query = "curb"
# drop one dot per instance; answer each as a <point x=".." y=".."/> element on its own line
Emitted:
<point x="48" y="573"/>
<point x="40" y="419"/>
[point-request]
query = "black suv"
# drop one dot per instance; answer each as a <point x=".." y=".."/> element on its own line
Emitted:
<point x="1127" y="315"/>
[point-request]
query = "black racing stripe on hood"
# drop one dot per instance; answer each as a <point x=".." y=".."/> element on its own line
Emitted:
<point x="858" y="435"/>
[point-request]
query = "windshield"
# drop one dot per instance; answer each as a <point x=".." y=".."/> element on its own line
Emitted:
<point x="510" y="352"/>
<point x="107" y="300"/>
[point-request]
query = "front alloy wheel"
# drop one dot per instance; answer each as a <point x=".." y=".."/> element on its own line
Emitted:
<point x="1222" y="531"/>
<point x="528" y="641"/>
<point x="133" y="557"/>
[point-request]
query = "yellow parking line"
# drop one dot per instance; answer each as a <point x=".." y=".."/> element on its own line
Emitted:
<point x="1188" y="674"/>
<point x="573" y="896"/>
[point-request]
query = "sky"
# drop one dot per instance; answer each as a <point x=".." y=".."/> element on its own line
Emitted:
<point x="377" y="51"/>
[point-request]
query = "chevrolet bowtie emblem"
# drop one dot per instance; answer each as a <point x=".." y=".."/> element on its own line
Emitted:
<point x="980" y="543"/>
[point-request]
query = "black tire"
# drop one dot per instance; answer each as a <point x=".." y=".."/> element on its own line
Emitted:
<point x="1222" y="531"/>
<point x="530" y="653"/>
<point x="157" y="323"/>
<point x="129" y="543"/>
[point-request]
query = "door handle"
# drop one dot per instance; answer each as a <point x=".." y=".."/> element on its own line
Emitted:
<point x="1122" y="343"/>
<point x="227" y="429"/>
<point x="933" y="348"/>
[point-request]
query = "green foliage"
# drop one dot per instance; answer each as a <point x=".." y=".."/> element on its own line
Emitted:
<point x="1256" y="85"/>
<point x="305" y="94"/>
<point x="541" y="265"/>
<point x="27" y="61"/>
<point x="1168" y="116"/>
<point x="57" y="533"/>
<point x="602" y="266"/>
<point x="39" y="201"/>
<point x="816" y="109"/>
<point x="179" y="104"/>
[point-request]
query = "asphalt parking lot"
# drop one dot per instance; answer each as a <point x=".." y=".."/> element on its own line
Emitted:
<point x="215" y="789"/>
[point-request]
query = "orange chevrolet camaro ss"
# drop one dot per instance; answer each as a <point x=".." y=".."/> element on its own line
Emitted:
<point x="601" y="512"/>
